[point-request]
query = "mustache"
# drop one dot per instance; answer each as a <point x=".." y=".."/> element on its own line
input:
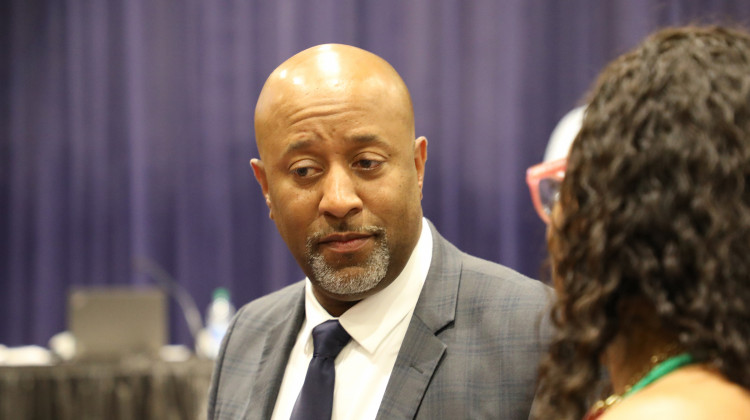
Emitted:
<point x="344" y="228"/>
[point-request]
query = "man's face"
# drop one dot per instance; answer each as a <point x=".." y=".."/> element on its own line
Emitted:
<point x="342" y="176"/>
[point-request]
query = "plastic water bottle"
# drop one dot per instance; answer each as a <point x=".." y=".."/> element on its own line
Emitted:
<point x="218" y="316"/>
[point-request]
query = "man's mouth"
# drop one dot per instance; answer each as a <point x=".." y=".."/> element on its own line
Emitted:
<point x="344" y="242"/>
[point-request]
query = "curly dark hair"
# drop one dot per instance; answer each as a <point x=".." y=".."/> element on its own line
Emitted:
<point x="655" y="209"/>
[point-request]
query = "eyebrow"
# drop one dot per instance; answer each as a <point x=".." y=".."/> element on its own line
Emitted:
<point x="300" y="144"/>
<point x="367" y="139"/>
<point x="358" y="139"/>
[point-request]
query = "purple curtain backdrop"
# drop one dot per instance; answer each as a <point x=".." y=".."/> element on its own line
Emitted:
<point x="127" y="129"/>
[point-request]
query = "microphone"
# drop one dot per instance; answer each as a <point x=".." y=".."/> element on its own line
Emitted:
<point x="175" y="290"/>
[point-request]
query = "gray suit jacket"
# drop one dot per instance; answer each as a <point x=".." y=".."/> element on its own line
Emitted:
<point x="470" y="352"/>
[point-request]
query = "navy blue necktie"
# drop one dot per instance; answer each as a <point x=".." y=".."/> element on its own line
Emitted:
<point x="315" y="401"/>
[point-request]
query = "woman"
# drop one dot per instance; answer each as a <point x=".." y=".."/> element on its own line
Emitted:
<point x="650" y="239"/>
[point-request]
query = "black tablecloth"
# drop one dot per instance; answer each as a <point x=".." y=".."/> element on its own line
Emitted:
<point x="132" y="390"/>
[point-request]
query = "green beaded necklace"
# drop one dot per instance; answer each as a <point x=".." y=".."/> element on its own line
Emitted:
<point x="663" y="368"/>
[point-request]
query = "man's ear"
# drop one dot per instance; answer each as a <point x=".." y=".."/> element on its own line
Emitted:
<point x="260" y="175"/>
<point x="420" y="158"/>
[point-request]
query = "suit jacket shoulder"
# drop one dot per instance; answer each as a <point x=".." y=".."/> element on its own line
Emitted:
<point x="473" y="344"/>
<point x="251" y="365"/>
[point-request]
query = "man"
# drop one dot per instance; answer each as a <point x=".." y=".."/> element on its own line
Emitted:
<point x="435" y="333"/>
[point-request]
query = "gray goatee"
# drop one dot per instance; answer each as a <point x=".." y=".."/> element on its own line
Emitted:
<point x="335" y="281"/>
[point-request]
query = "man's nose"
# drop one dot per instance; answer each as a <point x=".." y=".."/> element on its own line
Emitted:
<point x="340" y="196"/>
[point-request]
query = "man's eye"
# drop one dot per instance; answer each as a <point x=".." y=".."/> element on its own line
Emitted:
<point x="303" y="172"/>
<point x="368" y="163"/>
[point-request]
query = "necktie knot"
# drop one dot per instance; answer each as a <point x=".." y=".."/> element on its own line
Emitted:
<point x="329" y="338"/>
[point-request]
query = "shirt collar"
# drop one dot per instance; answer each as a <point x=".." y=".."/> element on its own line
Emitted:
<point x="373" y="318"/>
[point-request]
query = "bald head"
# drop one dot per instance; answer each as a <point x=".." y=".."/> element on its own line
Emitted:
<point x="330" y="72"/>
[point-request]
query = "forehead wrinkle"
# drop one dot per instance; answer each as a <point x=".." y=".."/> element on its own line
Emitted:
<point x="358" y="139"/>
<point x="317" y="111"/>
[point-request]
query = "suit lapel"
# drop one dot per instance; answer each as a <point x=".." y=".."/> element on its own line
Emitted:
<point x="422" y="349"/>
<point x="272" y="363"/>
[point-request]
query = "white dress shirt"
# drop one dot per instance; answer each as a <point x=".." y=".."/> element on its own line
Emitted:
<point x="377" y="325"/>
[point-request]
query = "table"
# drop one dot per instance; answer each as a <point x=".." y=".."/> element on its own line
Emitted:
<point x="137" y="389"/>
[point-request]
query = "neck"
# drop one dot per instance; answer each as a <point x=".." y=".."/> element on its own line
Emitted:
<point x="632" y="354"/>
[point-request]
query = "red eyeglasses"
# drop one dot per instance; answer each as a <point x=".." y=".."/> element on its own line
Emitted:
<point x="544" y="182"/>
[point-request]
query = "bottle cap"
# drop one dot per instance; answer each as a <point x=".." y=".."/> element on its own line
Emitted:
<point x="221" y="293"/>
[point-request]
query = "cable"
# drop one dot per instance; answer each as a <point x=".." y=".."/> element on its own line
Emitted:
<point x="174" y="289"/>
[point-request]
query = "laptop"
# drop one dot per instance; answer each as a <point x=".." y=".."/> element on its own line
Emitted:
<point x="111" y="323"/>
